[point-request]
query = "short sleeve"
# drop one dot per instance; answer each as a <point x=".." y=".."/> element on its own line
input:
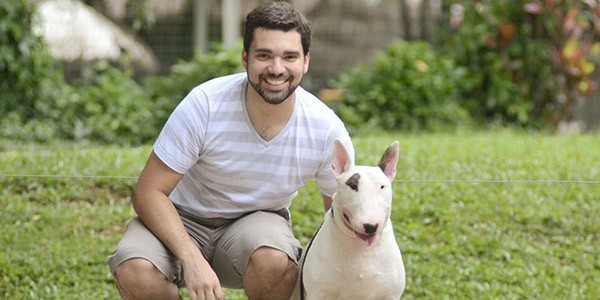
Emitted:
<point x="180" y="142"/>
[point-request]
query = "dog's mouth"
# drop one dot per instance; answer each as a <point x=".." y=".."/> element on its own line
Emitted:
<point x="368" y="239"/>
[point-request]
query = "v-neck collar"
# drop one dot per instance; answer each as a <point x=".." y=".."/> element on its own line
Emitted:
<point x="256" y="135"/>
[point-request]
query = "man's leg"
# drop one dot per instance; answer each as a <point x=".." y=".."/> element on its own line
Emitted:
<point x="270" y="274"/>
<point x="258" y="252"/>
<point x="143" y="267"/>
<point x="137" y="278"/>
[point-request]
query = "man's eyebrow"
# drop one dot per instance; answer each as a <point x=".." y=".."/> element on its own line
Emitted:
<point x="291" y="52"/>
<point x="267" y="50"/>
<point x="263" y="50"/>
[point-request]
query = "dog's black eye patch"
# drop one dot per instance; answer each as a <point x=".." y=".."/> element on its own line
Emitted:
<point x="352" y="182"/>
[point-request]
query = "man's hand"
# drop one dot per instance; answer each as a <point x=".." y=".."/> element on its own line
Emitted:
<point x="200" y="279"/>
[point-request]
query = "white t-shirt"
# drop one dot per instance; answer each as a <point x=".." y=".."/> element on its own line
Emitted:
<point x="228" y="169"/>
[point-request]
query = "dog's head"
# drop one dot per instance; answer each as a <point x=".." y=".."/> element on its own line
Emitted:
<point x="363" y="200"/>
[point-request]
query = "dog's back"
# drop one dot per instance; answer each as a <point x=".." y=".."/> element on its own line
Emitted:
<point x="354" y="255"/>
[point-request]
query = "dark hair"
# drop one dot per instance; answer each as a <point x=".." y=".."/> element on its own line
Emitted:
<point x="277" y="15"/>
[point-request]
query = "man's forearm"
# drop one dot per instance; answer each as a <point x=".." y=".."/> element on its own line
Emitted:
<point x="158" y="214"/>
<point x="327" y="201"/>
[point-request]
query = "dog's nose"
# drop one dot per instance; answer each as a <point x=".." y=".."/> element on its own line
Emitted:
<point x="370" y="228"/>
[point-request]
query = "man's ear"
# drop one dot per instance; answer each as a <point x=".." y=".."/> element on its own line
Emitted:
<point x="245" y="59"/>
<point x="306" y="62"/>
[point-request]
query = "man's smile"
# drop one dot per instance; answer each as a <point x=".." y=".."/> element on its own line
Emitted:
<point x="275" y="83"/>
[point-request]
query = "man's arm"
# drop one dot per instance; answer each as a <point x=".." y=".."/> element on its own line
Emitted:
<point x="327" y="201"/>
<point x="155" y="209"/>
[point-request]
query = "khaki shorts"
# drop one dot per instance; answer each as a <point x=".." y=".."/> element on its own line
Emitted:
<point x="227" y="244"/>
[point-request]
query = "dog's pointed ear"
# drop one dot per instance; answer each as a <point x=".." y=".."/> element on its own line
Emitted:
<point x="340" y="161"/>
<point x="389" y="160"/>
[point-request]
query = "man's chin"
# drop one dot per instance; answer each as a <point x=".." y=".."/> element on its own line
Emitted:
<point x="270" y="96"/>
<point x="275" y="97"/>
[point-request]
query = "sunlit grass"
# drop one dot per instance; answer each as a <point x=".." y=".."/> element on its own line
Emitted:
<point x="499" y="215"/>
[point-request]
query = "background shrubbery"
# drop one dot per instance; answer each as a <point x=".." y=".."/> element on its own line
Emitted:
<point x="109" y="106"/>
<point x="531" y="61"/>
<point x="408" y="86"/>
<point x="30" y="78"/>
<point x="112" y="107"/>
<point x="522" y="63"/>
<point x="517" y="63"/>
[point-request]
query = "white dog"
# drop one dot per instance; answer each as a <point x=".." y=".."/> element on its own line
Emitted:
<point x="354" y="255"/>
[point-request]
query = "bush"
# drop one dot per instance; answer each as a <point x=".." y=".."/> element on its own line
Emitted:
<point x="116" y="109"/>
<point x="113" y="108"/>
<point x="29" y="76"/>
<point x="530" y="60"/>
<point x="493" y="96"/>
<point x="37" y="104"/>
<point x="407" y="87"/>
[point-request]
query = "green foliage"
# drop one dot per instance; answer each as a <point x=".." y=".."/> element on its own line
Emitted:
<point x="113" y="108"/>
<point x="529" y="60"/>
<point x="461" y="237"/>
<point x="408" y="86"/>
<point x="28" y="74"/>
<point x="493" y="95"/>
<point x="110" y="108"/>
<point x="167" y="91"/>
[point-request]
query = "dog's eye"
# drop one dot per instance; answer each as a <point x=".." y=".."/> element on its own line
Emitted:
<point x="346" y="217"/>
<point x="382" y="187"/>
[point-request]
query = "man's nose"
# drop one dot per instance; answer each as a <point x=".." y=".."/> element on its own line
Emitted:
<point x="276" y="66"/>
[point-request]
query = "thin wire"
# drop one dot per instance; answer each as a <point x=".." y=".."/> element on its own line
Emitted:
<point x="498" y="181"/>
<point x="54" y="176"/>
<point x="443" y="181"/>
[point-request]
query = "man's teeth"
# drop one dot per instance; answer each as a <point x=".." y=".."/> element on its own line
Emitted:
<point x="276" y="82"/>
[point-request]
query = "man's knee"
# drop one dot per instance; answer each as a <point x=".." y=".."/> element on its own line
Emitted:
<point x="270" y="274"/>
<point x="139" y="279"/>
<point x="268" y="262"/>
<point x="133" y="269"/>
<point x="266" y="257"/>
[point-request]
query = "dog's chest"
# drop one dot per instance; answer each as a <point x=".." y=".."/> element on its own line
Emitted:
<point x="351" y="271"/>
<point x="358" y="279"/>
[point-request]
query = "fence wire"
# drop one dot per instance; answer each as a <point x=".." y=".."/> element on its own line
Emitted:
<point x="417" y="181"/>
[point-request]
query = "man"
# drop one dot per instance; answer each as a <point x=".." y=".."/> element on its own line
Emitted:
<point x="213" y="198"/>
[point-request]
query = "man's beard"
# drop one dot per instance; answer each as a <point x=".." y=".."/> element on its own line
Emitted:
<point x="269" y="96"/>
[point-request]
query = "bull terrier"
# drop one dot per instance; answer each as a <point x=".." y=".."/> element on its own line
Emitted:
<point x="354" y="254"/>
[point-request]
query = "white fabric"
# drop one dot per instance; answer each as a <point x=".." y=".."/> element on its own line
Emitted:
<point x="228" y="168"/>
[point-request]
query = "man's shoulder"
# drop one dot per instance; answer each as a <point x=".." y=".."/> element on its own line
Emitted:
<point x="313" y="106"/>
<point x="222" y="84"/>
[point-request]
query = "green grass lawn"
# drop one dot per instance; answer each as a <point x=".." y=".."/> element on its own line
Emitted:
<point x="498" y="215"/>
